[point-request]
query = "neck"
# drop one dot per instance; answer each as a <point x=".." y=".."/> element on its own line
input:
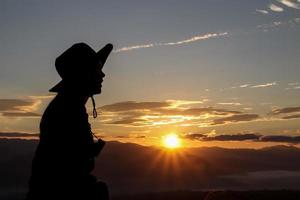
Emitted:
<point x="80" y="98"/>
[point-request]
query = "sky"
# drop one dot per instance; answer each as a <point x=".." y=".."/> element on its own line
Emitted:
<point x="214" y="72"/>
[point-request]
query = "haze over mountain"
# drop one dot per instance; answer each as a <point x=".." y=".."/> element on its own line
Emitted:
<point x="130" y="168"/>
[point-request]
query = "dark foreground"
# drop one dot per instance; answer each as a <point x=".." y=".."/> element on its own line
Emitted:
<point x="201" y="195"/>
<point x="216" y="195"/>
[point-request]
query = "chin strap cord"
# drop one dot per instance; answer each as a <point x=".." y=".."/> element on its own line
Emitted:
<point x="94" y="107"/>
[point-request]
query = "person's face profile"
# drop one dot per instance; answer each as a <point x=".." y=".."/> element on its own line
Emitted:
<point x="95" y="81"/>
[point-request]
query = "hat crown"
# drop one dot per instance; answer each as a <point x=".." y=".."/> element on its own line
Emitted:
<point x="76" y="60"/>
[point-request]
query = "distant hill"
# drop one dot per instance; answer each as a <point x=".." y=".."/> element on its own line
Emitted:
<point x="131" y="168"/>
<point x="216" y="195"/>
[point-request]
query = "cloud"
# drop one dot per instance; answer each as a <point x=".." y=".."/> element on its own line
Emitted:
<point x="19" y="107"/>
<point x="262" y="11"/>
<point x="264" y="85"/>
<point x="133" y="105"/>
<point x="237" y="137"/>
<point x="163" y="108"/>
<point x="198" y="111"/>
<point x="180" y="42"/>
<point x="285" y="110"/>
<point x="287" y="113"/>
<point x="179" y="112"/>
<point x="235" y="118"/>
<point x="196" y="38"/>
<point x="17" y="134"/>
<point x="280" y="138"/>
<point x="244" y="85"/>
<point x="20" y="114"/>
<point x="275" y="25"/>
<point x="41" y="97"/>
<point x="130" y="136"/>
<point x="290" y="3"/>
<point x="194" y="136"/>
<point x="291" y="117"/>
<point x="258" y="85"/>
<point x="14" y="104"/>
<point x="293" y="84"/>
<point x="223" y="137"/>
<point x="128" y="121"/>
<point x="230" y="103"/>
<point x="255" y="137"/>
<point x="275" y="8"/>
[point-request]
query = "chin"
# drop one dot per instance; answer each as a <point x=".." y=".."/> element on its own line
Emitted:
<point x="98" y="91"/>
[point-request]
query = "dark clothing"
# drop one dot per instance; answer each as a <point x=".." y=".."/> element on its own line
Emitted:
<point x="64" y="157"/>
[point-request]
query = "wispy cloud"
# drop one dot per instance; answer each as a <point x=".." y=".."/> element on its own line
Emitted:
<point x="265" y="12"/>
<point x="290" y="3"/>
<point x="295" y="4"/>
<point x="244" y="85"/>
<point x="285" y="110"/>
<point x="20" y="114"/>
<point x="235" y="118"/>
<point x="180" y="42"/>
<point x="275" y="8"/>
<point x="288" y="113"/>
<point x="264" y="85"/>
<point x="279" y="24"/>
<point x="230" y="103"/>
<point x="293" y="84"/>
<point x="297" y="116"/>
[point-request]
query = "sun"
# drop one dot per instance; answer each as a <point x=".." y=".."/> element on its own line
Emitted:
<point x="171" y="141"/>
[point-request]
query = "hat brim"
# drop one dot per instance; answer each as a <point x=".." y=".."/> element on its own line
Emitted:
<point x="103" y="53"/>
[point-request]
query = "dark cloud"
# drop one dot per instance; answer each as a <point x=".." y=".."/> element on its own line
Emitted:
<point x="133" y="105"/>
<point x="18" y="134"/>
<point x="244" y="136"/>
<point x="280" y="138"/>
<point x="194" y="136"/>
<point x="14" y="104"/>
<point x="235" y="118"/>
<point x="130" y="136"/>
<point x="291" y="116"/>
<point x="285" y="110"/>
<point x="236" y="137"/>
<point x="223" y="137"/>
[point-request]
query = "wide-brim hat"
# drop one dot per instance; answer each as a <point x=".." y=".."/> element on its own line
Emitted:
<point x="80" y="59"/>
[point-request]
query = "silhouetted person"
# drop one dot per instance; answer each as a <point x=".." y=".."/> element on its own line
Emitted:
<point x="65" y="155"/>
